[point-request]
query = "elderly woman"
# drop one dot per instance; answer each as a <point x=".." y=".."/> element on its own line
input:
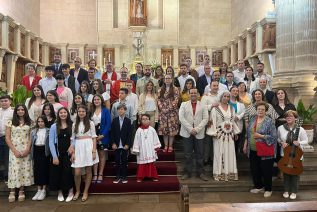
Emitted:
<point x="285" y="133"/>
<point x="224" y="130"/>
<point x="261" y="132"/>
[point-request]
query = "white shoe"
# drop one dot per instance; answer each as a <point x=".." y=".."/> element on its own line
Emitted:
<point x="70" y="197"/>
<point x="36" y="196"/>
<point x="285" y="195"/>
<point x="293" y="196"/>
<point x="267" y="194"/>
<point x="256" y="190"/>
<point x="60" y="197"/>
<point x="42" y="195"/>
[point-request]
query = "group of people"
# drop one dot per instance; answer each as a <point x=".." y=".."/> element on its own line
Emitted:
<point x="75" y="115"/>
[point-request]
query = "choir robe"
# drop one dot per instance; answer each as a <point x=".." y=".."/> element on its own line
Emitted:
<point x="114" y="77"/>
<point x="145" y="144"/>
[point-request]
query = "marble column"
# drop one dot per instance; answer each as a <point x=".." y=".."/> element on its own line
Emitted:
<point x="296" y="48"/>
<point x="36" y="48"/>
<point x="5" y="32"/>
<point x="17" y="39"/>
<point x="209" y="52"/>
<point x="28" y="44"/>
<point x="249" y="43"/>
<point x="2" y="53"/>
<point x="45" y="54"/>
<point x="175" y="57"/>
<point x="100" y="60"/>
<point x="82" y="54"/>
<point x="11" y="60"/>
<point x="225" y="54"/>
<point x="117" y="52"/>
<point x="240" y="47"/>
<point x="233" y="52"/>
<point x="193" y="56"/>
<point x="64" y="52"/>
<point x="259" y="36"/>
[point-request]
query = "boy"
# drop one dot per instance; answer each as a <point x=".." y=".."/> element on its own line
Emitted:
<point x="146" y="143"/>
<point x="123" y="93"/>
<point x="49" y="82"/>
<point x="6" y="114"/>
<point x="121" y="142"/>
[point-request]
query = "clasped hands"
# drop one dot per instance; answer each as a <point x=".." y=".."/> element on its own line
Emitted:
<point x="284" y="144"/>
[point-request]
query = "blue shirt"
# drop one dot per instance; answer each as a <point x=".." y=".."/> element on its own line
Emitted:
<point x="48" y="84"/>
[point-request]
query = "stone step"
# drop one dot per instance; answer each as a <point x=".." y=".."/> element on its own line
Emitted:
<point x="244" y="184"/>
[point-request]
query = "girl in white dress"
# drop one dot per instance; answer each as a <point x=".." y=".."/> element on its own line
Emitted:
<point x="35" y="103"/>
<point x="84" y="154"/>
<point x="224" y="131"/>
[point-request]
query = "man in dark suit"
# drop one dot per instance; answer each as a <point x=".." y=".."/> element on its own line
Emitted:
<point x="264" y="87"/>
<point x="70" y="81"/>
<point x="57" y="65"/>
<point x="229" y="80"/>
<point x="79" y="73"/>
<point x="204" y="80"/>
<point x="121" y="142"/>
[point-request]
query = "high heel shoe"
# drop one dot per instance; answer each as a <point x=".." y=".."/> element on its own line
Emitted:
<point x="165" y="149"/>
<point x="84" y="198"/>
<point x="94" y="178"/>
<point x="11" y="197"/>
<point x="21" y="197"/>
<point x="76" y="196"/>
<point x="99" y="176"/>
<point x="170" y="149"/>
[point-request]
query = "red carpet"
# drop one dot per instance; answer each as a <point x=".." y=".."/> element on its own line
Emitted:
<point x="166" y="168"/>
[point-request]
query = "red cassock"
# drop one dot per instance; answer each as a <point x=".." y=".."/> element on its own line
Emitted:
<point x="26" y="82"/>
<point x="114" y="91"/>
<point x="146" y="170"/>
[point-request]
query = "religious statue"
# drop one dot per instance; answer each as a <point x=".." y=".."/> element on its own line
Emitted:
<point x="138" y="12"/>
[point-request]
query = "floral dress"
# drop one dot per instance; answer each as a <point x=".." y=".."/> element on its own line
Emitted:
<point x="20" y="169"/>
<point x="169" y="123"/>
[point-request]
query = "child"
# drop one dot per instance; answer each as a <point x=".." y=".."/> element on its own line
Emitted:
<point x="146" y="142"/>
<point x="85" y="153"/>
<point x="121" y="142"/>
<point x="40" y="152"/>
<point x="123" y="93"/>
<point x="48" y="112"/>
<point x="61" y="176"/>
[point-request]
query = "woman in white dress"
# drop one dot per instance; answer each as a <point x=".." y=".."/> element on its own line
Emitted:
<point x="97" y="88"/>
<point x="84" y="154"/>
<point x="249" y="80"/>
<point x="224" y="131"/>
<point x="35" y="103"/>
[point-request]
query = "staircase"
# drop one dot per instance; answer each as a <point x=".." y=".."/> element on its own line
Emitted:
<point x="308" y="179"/>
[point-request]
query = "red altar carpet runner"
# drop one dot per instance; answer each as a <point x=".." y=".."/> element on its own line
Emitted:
<point x="166" y="168"/>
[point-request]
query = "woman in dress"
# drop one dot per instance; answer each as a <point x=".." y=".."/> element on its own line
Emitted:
<point x="100" y="115"/>
<point x="61" y="175"/>
<point x="97" y="88"/>
<point x="40" y="154"/>
<point x="250" y="80"/>
<point x="261" y="128"/>
<point x="285" y="133"/>
<point x="35" y="103"/>
<point x="223" y="71"/>
<point x="19" y="142"/>
<point x="224" y="132"/>
<point x="239" y="110"/>
<point x="189" y="84"/>
<point x="84" y="90"/>
<point x="244" y="96"/>
<point x="48" y="112"/>
<point x="78" y="100"/>
<point x="148" y="103"/>
<point x="168" y="112"/>
<point x="65" y="94"/>
<point x="84" y="153"/>
<point x="52" y="97"/>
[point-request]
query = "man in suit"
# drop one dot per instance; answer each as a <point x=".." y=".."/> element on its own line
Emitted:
<point x="79" y="73"/>
<point x="263" y="84"/>
<point x="229" y="80"/>
<point x="57" y="65"/>
<point x="31" y="79"/>
<point x="121" y="142"/>
<point x="70" y="80"/>
<point x="204" y="80"/>
<point x="193" y="116"/>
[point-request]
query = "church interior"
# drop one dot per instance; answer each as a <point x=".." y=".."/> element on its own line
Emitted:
<point x="281" y="34"/>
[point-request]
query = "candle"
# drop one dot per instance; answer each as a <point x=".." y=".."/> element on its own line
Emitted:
<point x="162" y="58"/>
<point x="166" y="62"/>
<point x="109" y="58"/>
<point x="170" y="60"/>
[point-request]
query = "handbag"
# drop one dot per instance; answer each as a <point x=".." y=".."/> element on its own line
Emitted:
<point x="262" y="148"/>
